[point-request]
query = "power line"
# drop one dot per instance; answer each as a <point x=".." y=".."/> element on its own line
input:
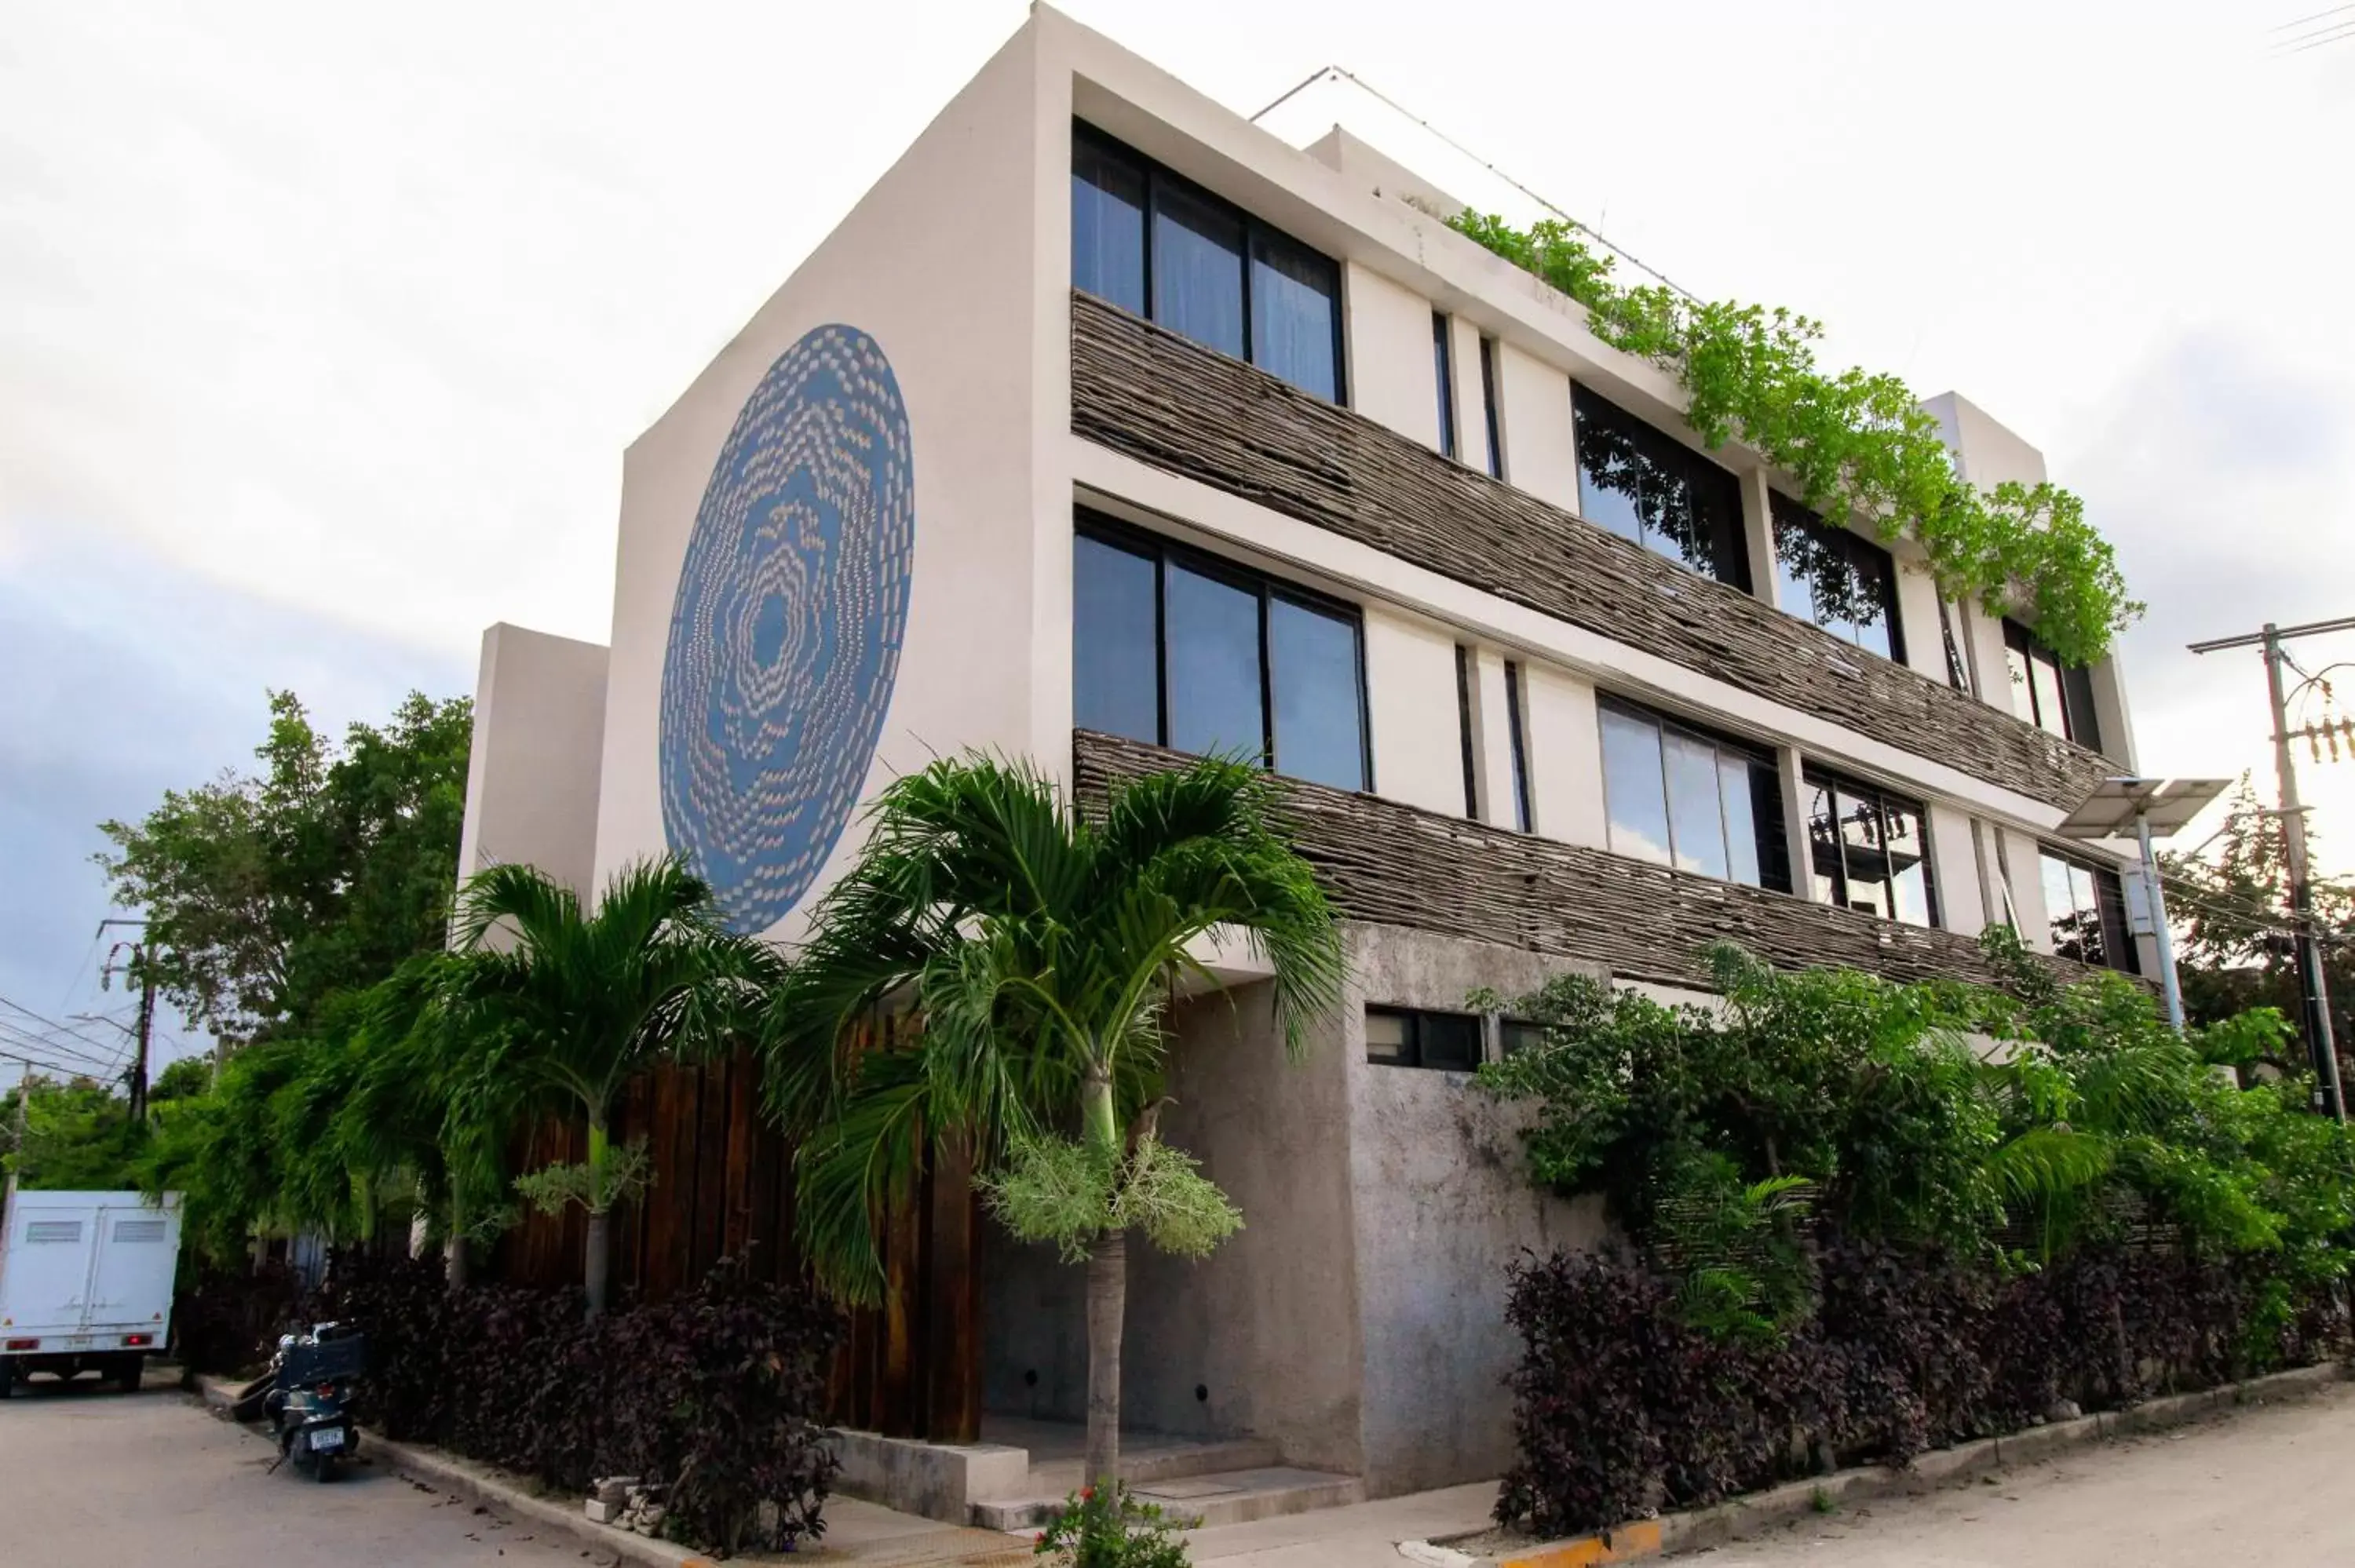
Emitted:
<point x="1343" y="73"/>
<point x="52" y="1023"/>
<point x="64" y="1059"/>
<point x="2316" y="39"/>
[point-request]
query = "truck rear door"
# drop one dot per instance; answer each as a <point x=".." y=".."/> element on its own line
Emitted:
<point x="131" y="1284"/>
<point x="48" y="1276"/>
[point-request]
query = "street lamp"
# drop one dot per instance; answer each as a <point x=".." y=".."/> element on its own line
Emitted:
<point x="2146" y="808"/>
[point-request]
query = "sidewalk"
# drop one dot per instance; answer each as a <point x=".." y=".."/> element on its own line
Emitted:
<point x="1353" y="1537"/>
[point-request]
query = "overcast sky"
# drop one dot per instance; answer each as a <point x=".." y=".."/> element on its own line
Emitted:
<point x="322" y="329"/>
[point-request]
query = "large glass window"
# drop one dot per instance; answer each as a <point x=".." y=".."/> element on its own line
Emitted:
<point x="1684" y="798"/>
<point x="1837" y="578"/>
<point x="2085" y="911"/>
<point x="2056" y="697"/>
<point x="1115" y="619"/>
<point x="1644" y="486"/>
<point x="1107" y="226"/>
<point x="1179" y="649"/>
<point x="1870" y="849"/>
<point x="1159" y="245"/>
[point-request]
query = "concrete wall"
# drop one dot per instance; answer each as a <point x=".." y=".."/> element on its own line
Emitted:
<point x="1442" y="1208"/>
<point x="945" y="264"/>
<point x="1417" y="721"/>
<point x="1388" y="332"/>
<point x="531" y="775"/>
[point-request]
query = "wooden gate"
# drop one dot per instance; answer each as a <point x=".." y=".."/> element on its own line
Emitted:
<point x="723" y="1186"/>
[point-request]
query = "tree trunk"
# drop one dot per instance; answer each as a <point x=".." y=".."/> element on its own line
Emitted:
<point x="1107" y="1305"/>
<point x="457" y="1264"/>
<point x="598" y="1263"/>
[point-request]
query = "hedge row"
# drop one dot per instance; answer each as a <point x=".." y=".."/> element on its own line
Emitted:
<point x="720" y="1393"/>
<point x="1623" y="1408"/>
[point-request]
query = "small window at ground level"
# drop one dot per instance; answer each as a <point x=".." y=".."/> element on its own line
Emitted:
<point x="1405" y="1037"/>
<point x="1870" y="849"/>
<point x="2085" y="911"/>
<point x="1515" y="1036"/>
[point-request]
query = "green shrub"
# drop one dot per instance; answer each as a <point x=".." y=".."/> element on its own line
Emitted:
<point x="1098" y="1532"/>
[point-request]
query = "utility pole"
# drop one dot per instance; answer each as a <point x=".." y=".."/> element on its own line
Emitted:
<point x="2314" y="991"/>
<point x="138" y="966"/>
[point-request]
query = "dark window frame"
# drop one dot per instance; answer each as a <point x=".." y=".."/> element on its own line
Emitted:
<point x="1865" y="559"/>
<point x="2073" y="682"/>
<point x="1590" y="408"/>
<point x="1489" y="406"/>
<point x="1442" y="365"/>
<point x="1416" y="1056"/>
<point x="1105" y="529"/>
<point x="1255" y="231"/>
<point x="1765" y="826"/>
<point x="1464" y="677"/>
<point x="1512" y="1034"/>
<point x="1517" y="709"/>
<point x="1846" y="786"/>
<point x="2112" y="922"/>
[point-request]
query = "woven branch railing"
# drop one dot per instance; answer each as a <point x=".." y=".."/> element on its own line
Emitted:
<point x="1392" y="864"/>
<point x="1159" y="399"/>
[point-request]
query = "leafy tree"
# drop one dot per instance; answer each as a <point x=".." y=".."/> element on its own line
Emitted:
<point x="2231" y="909"/>
<point x="77" y="1136"/>
<point x="184" y="1079"/>
<point x="581" y="1003"/>
<point x="1039" y="946"/>
<point x="267" y="893"/>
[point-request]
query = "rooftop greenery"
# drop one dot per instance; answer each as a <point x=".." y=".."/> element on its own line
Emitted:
<point x="1857" y="444"/>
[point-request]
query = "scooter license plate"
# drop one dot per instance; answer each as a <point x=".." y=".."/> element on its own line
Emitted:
<point x="327" y="1439"/>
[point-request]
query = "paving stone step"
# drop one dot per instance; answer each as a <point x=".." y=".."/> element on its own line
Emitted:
<point x="1215" y="1497"/>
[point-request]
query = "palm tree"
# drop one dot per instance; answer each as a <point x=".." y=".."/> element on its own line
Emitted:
<point x="1040" y="947"/>
<point x="587" y="1001"/>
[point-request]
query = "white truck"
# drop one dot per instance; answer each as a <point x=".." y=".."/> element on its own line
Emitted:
<point x="86" y="1284"/>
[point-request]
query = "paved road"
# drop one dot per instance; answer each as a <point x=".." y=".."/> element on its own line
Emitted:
<point x="91" y="1476"/>
<point x="2264" y="1485"/>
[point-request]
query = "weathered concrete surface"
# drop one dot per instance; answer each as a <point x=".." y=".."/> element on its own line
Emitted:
<point x="1442" y="1208"/>
<point x="91" y="1476"/>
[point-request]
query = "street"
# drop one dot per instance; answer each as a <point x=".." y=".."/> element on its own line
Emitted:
<point x="2255" y="1486"/>
<point x="91" y="1476"/>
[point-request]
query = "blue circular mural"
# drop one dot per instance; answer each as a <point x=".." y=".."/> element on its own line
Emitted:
<point x="784" y="638"/>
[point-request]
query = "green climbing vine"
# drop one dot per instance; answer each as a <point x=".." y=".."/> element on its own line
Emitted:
<point x="1857" y="444"/>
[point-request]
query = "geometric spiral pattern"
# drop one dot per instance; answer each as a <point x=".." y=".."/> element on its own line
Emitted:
<point x="784" y="637"/>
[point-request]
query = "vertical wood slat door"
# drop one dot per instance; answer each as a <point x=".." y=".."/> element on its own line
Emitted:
<point x="722" y="1186"/>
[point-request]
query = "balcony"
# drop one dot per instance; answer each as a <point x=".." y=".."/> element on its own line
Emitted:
<point x="1161" y="399"/>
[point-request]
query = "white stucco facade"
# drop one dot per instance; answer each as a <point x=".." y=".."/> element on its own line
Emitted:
<point x="958" y="265"/>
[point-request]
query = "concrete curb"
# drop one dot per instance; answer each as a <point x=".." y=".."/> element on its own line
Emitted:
<point x="495" y="1488"/>
<point x="1742" y="1516"/>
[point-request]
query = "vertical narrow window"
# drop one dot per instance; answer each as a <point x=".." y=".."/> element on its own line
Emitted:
<point x="1107" y="225"/>
<point x="1870" y="850"/>
<point x="1313" y="685"/>
<point x="1115" y="654"/>
<point x="1197" y="270"/>
<point x="1489" y="403"/>
<point x="1958" y="670"/>
<point x="1463" y="726"/>
<point x="1443" y="373"/>
<point x="1296" y="314"/>
<point x="1515" y="708"/>
<point x="1214" y="671"/>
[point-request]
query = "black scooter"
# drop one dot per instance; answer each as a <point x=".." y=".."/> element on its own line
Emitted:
<point x="306" y="1397"/>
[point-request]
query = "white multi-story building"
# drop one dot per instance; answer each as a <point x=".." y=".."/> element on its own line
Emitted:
<point x="1108" y="426"/>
